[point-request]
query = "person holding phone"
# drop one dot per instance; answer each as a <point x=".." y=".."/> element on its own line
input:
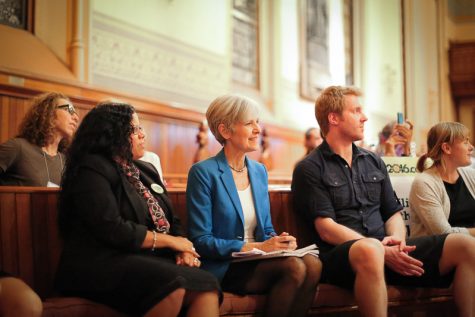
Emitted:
<point x="229" y="211"/>
<point x="395" y="138"/>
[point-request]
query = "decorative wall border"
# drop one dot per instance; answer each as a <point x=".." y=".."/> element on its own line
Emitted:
<point x="135" y="60"/>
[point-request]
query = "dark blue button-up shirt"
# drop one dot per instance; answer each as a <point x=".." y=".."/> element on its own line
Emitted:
<point x="359" y="197"/>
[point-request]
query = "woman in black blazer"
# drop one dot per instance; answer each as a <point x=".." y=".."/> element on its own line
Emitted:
<point x="123" y="246"/>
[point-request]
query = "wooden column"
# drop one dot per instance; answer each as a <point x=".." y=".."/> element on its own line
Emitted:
<point x="77" y="43"/>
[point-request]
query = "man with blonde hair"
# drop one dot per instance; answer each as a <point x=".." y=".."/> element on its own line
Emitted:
<point x="345" y="192"/>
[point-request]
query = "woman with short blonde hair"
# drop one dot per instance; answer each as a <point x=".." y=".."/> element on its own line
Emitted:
<point x="229" y="211"/>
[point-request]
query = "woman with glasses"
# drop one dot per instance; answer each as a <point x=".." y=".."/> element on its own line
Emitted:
<point x="123" y="245"/>
<point x="35" y="156"/>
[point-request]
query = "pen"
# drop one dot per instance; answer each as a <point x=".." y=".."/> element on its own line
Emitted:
<point x="273" y="234"/>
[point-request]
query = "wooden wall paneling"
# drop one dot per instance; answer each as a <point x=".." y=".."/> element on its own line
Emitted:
<point x="8" y="233"/>
<point x="25" y="239"/>
<point x="4" y="118"/>
<point x="14" y="115"/>
<point x="163" y="146"/>
<point x="170" y="139"/>
<point x="172" y="131"/>
<point x="12" y="111"/>
<point x="278" y="216"/>
<point x="181" y="145"/>
<point x="462" y="69"/>
<point x="178" y="198"/>
<point x="213" y="146"/>
<point x="280" y="156"/>
<point x="288" y="216"/>
<point x="155" y="139"/>
<point x="181" y="205"/>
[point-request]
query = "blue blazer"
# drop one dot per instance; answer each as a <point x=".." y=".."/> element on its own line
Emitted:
<point x="215" y="216"/>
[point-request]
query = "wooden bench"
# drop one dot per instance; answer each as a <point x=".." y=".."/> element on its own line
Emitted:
<point x="178" y="180"/>
<point x="30" y="247"/>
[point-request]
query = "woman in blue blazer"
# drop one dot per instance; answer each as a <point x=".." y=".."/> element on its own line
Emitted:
<point x="229" y="211"/>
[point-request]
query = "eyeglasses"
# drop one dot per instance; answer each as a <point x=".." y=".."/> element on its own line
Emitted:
<point x="68" y="107"/>
<point x="136" y="129"/>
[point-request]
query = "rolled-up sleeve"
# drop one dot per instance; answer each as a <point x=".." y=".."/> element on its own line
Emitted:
<point x="311" y="197"/>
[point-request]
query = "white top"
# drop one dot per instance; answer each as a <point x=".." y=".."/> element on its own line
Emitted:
<point x="249" y="212"/>
<point x="155" y="161"/>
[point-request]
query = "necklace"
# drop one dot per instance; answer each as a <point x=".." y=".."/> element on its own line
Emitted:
<point x="238" y="170"/>
<point x="46" y="164"/>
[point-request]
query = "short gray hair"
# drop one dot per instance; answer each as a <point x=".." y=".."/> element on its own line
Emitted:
<point x="228" y="110"/>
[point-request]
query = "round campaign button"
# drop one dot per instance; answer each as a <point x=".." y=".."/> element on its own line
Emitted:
<point x="157" y="188"/>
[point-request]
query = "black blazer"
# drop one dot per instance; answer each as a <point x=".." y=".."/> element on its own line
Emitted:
<point x="105" y="221"/>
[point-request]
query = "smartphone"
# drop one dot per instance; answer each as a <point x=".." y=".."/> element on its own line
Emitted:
<point x="400" y="118"/>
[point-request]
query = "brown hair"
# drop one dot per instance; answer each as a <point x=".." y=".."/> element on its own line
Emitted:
<point x="331" y="100"/>
<point x="37" y="125"/>
<point x="444" y="132"/>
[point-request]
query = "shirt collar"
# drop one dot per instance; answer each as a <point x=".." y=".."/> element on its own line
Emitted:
<point x="327" y="150"/>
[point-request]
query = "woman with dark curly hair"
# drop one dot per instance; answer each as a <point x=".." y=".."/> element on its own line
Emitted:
<point x="34" y="157"/>
<point x="123" y="245"/>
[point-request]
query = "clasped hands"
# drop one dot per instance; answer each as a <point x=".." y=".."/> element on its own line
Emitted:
<point x="186" y="254"/>
<point x="397" y="258"/>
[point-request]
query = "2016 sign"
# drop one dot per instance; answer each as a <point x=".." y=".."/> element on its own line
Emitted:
<point x="400" y="169"/>
<point x="400" y="166"/>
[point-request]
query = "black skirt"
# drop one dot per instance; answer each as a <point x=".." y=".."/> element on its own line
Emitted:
<point x="147" y="280"/>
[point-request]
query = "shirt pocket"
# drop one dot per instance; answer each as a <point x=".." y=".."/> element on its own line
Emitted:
<point x="338" y="188"/>
<point x="373" y="183"/>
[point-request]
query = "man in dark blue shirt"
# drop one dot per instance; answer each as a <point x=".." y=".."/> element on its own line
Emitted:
<point x="346" y="193"/>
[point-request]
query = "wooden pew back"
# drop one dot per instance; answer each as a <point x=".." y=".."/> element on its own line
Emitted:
<point x="29" y="242"/>
<point x="30" y="245"/>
